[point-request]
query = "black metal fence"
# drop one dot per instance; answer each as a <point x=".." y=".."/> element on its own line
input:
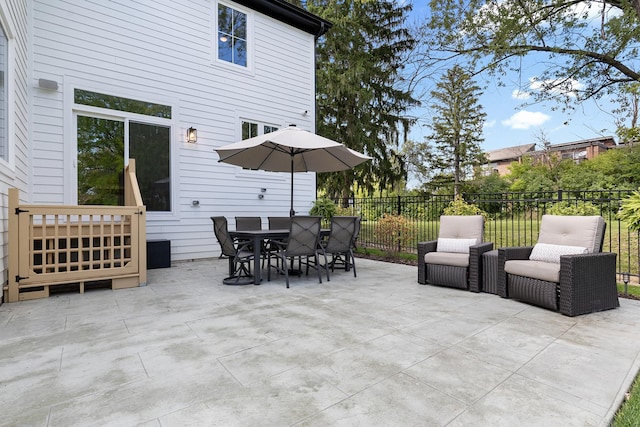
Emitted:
<point x="514" y="218"/>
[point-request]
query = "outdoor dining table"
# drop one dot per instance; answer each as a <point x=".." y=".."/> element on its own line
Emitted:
<point x="259" y="236"/>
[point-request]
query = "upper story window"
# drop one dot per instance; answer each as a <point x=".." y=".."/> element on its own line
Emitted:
<point x="251" y="129"/>
<point x="232" y="35"/>
<point x="4" y="103"/>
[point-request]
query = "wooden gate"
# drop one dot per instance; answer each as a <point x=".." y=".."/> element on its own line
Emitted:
<point x="51" y="245"/>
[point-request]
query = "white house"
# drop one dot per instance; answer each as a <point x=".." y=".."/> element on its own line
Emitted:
<point x="113" y="80"/>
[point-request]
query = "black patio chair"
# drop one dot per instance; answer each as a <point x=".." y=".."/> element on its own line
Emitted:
<point x="304" y="242"/>
<point x="239" y="254"/>
<point x="341" y="242"/>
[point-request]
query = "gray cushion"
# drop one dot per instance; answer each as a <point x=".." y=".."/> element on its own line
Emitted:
<point x="462" y="227"/>
<point x="585" y="231"/>
<point x="447" y="258"/>
<point x="546" y="271"/>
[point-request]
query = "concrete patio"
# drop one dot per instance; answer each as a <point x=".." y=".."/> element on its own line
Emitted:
<point x="379" y="349"/>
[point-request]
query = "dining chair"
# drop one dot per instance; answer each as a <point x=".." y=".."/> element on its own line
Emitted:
<point x="341" y="242"/>
<point x="238" y="253"/>
<point x="248" y="223"/>
<point x="303" y="241"/>
<point x="279" y="222"/>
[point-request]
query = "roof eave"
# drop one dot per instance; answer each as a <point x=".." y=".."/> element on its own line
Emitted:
<point x="290" y="14"/>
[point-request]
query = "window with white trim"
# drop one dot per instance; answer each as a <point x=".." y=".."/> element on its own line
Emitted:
<point x="232" y="35"/>
<point x="251" y="129"/>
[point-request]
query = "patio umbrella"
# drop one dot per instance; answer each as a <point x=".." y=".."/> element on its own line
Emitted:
<point x="291" y="149"/>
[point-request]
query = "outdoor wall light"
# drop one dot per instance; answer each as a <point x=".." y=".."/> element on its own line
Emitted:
<point x="263" y="190"/>
<point x="192" y="135"/>
<point x="260" y="196"/>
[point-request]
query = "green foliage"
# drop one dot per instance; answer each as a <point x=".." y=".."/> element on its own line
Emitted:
<point x="560" y="37"/>
<point x="361" y="100"/>
<point x="630" y="211"/>
<point x="393" y="232"/>
<point x="629" y="413"/>
<point x="325" y="208"/>
<point x="566" y="208"/>
<point x="457" y="125"/>
<point x="459" y="207"/>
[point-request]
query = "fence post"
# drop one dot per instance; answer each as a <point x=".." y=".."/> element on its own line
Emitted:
<point x="559" y="195"/>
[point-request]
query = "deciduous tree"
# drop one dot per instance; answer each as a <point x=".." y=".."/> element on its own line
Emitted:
<point x="587" y="48"/>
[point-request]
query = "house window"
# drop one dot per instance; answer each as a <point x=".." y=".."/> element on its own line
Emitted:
<point x="251" y="129"/>
<point x="103" y="144"/>
<point x="4" y="104"/>
<point x="232" y="35"/>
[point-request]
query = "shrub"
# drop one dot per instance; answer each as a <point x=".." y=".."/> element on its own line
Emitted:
<point x="393" y="232"/>
<point x="630" y="211"/>
<point x="325" y="208"/>
<point x="566" y="208"/>
<point x="459" y="207"/>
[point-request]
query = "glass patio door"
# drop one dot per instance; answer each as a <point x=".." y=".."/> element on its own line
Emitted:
<point x="104" y="144"/>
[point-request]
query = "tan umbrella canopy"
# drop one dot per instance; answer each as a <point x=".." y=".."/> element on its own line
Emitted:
<point x="291" y="149"/>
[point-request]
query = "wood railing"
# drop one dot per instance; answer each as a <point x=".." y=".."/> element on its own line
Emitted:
<point x="51" y="245"/>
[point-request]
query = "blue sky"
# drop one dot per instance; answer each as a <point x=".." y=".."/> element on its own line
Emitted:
<point x="509" y="123"/>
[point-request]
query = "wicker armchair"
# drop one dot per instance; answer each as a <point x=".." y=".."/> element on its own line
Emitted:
<point x="455" y="259"/>
<point x="565" y="271"/>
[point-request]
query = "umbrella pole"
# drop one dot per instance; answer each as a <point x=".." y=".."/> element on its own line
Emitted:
<point x="291" y="211"/>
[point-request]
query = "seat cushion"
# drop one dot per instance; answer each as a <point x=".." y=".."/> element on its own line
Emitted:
<point x="547" y="271"/>
<point x="447" y="258"/>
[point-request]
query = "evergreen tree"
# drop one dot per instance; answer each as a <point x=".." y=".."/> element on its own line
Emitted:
<point x="361" y="99"/>
<point x="457" y="125"/>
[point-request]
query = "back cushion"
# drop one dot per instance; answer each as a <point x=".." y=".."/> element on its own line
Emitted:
<point x="584" y="231"/>
<point x="462" y="227"/>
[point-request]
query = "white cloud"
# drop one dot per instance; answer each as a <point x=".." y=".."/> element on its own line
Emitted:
<point x="525" y="119"/>
<point x="520" y="94"/>
<point x="559" y="86"/>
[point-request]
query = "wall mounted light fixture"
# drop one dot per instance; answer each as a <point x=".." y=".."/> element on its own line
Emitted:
<point x="192" y="135"/>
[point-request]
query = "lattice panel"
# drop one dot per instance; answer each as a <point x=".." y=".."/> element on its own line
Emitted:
<point x="66" y="243"/>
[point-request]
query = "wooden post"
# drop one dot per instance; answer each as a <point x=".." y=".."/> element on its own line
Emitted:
<point x="13" y="293"/>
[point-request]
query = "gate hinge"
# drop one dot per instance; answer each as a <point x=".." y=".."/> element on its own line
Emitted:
<point x="19" y="211"/>
<point x="18" y="277"/>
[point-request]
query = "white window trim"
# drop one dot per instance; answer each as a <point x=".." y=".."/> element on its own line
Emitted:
<point x="71" y="149"/>
<point x="251" y="174"/>
<point x="7" y="166"/>
<point x="250" y="43"/>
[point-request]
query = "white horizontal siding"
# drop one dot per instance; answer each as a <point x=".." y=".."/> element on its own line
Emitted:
<point x="161" y="51"/>
<point x="15" y="173"/>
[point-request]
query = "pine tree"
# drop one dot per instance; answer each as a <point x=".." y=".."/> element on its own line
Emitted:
<point x="457" y="125"/>
<point x="361" y="99"/>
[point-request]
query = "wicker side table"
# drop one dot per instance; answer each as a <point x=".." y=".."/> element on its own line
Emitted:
<point x="490" y="272"/>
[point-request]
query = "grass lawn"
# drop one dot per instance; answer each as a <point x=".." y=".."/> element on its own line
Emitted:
<point x="629" y="413"/>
